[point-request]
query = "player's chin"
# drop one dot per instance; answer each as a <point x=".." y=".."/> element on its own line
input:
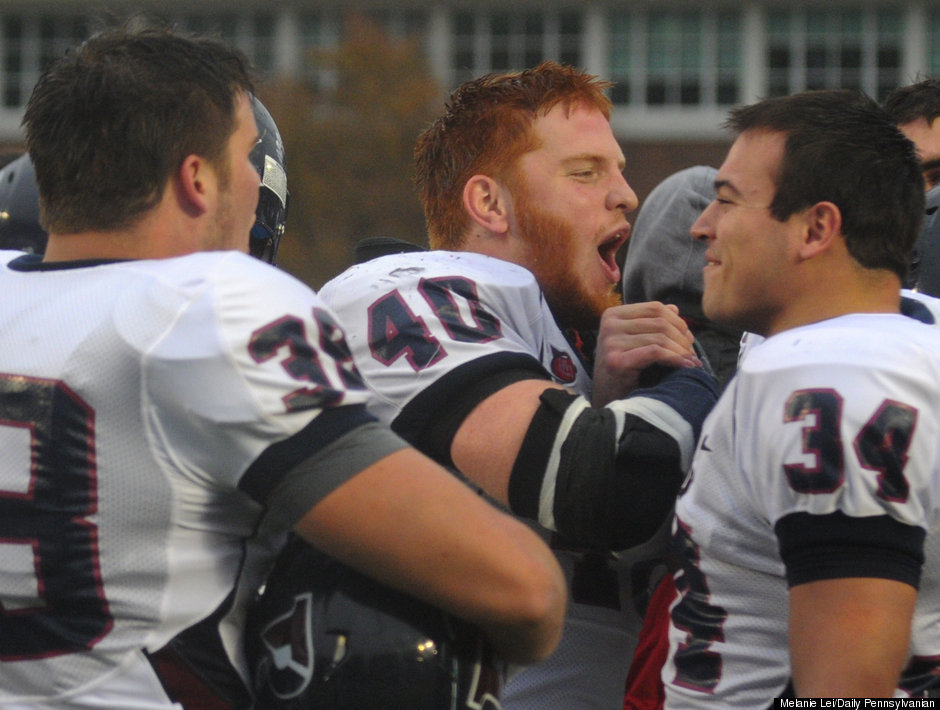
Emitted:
<point x="602" y="296"/>
<point x="716" y="310"/>
<point x="594" y="307"/>
<point x="612" y="298"/>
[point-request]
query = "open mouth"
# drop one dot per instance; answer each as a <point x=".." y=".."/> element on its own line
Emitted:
<point x="608" y="251"/>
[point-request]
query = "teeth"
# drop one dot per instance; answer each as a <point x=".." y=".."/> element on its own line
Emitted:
<point x="612" y="240"/>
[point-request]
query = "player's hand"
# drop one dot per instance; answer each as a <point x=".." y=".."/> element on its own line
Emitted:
<point x="633" y="337"/>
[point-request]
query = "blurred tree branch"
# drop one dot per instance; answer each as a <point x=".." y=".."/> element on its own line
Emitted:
<point x="349" y="148"/>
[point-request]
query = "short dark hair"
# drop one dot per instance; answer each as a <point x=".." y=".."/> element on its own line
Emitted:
<point x="919" y="100"/>
<point x="842" y="147"/>
<point x="109" y="122"/>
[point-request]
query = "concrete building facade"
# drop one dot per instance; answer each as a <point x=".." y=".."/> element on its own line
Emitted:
<point x="678" y="64"/>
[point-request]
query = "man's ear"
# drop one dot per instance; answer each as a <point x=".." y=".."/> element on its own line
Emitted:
<point x="195" y="178"/>
<point x="823" y="228"/>
<point x="487" y="203"/>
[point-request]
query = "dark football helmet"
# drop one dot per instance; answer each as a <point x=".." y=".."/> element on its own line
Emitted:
<point x="274" y="198"/>
<point x="19" y="208"/>
<point x="321" y="635"/>
<point x="924" y="271"/>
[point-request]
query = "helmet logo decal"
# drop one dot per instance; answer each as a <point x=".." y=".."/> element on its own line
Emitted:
<point x="487" y="681"/>
<point x="563" y="366"/>
<point x="323" y="635"/>
<point x="275" y="179"/>
<point x="288" y="647"/>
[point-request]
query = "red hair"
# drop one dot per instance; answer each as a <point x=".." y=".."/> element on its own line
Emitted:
<point x="485" y="128"/>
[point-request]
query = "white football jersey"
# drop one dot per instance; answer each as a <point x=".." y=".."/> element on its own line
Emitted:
<point x="422" y="325"/>
<point x="141" y="404"/>
<point x="412" y="318"/>
<point x="832" y="422"/>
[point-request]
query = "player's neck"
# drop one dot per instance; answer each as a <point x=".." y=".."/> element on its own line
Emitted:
<point x="864" y="291"/>
<point x="80" y="246"/>
<point x="159" y="233"/>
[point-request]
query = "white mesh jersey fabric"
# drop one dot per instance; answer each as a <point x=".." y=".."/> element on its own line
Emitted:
<point x="134" y="396"/>
<point x="796" y="394"/>
<point x="472" y="306"/>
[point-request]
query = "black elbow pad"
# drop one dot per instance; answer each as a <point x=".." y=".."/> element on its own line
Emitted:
<point x="608" y="477"/>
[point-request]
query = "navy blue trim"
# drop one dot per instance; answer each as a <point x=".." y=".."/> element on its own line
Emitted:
<point x="912" y="308"/>
<point x="34" y="262"/>
<point x="194" y="669"/>
<point x="690" y="391"/>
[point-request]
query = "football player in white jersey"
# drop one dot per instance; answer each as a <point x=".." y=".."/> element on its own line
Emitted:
<point x="807" y="523"/>
<point x="915" y="109"/>
<point x="475" y="350"/>
<point x="171" y="407"/>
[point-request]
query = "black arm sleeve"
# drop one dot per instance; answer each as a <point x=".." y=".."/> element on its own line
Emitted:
<point x="608" y="477"/>
<point x="834" y="546"/>
<point x="430" y="420"/>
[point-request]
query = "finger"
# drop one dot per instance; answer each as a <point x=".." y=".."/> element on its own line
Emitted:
<point x="638" y="333"/>
<point x="644" y="317"/>
<point x="641" y="357"/>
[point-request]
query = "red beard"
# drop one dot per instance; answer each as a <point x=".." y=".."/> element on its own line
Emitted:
<point x="550" y="245"/>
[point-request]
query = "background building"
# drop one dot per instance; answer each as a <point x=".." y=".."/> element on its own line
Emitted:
<point x="678" y="64"/>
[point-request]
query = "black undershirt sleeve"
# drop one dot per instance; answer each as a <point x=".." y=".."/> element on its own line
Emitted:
<point x="834" y="546"/>
<point x="430" y="421"/>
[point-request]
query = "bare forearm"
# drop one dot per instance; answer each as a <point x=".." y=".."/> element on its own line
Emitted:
<point x="525" y="636"/>
<point x="409" y="524"/>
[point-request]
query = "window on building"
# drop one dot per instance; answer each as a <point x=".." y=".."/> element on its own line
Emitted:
<point x="30" y="43"/>
<point x="834" y="48"/>
<point x="401" y="24"/>
<point x="933" y="42"/>
<point x="252" y="33"/>
<point x="319" y="32"/>
<point x="221" y="25"/>
<point x="621" y="54"/>
<point x="486" y="41"/>
<point x="322" y="31"/>
<point x="670" y="58"/>
<point x="260" y="39"/>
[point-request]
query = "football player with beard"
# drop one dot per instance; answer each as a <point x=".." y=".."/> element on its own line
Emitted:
<point x="171" y="407"/>
<point x="503" y="352"/>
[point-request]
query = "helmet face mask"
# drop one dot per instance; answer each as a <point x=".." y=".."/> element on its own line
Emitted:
<point x="324" y="636"/>
<point x="273" y="199"/>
